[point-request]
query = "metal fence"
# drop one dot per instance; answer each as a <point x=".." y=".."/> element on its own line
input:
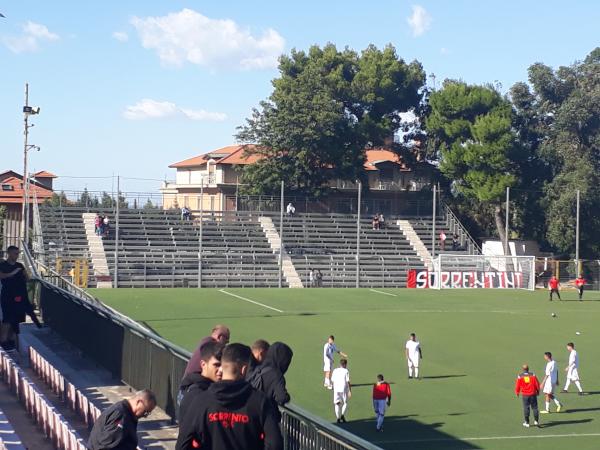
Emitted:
<point x="566" y="271"/>
<point x="143" y="359"/>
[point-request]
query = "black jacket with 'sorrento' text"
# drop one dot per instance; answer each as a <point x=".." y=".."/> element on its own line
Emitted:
<point x="229" y="415"/>
<point x="115" y="429"/>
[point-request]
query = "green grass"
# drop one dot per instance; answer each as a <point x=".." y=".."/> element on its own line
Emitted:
<point x="474" y="343"/>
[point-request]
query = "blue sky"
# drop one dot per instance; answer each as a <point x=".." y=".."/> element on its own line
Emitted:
<point x="128" y="87"/>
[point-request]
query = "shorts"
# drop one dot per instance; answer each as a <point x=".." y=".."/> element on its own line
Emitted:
<point x="340" y="397"/>
<point x="548" y="387"/>
<point x="573" y="374"/>
<point x="327" y="365"/>
<point x="413" y="363"/>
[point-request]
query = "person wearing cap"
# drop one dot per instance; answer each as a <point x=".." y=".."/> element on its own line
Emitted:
<point x="528" y="386"/>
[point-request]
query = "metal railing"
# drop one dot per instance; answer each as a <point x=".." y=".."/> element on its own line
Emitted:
<point x="456" y="227"/>
<point x="143" y="359"/>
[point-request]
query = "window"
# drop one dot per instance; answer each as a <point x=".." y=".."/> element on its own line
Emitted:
<point x="8" y="187"/>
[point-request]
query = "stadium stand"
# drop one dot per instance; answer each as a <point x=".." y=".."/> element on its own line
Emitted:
<point x="9" y="440"/>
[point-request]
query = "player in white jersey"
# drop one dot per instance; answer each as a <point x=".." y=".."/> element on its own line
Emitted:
<point x="549" y="382"/>
<point x="329" y="350"/>
<point x="342" y="390"/>
<point x="413" y="356"/>
<point x="573" y="369"/>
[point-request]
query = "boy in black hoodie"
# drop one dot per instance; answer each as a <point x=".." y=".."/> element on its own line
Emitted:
<point x="209" y="372"/>
<point x="230" y="414"/>
<point x="270" y="377"/>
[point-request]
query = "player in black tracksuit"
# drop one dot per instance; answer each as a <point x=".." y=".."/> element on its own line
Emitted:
<point x="270" y="377"/>
<point x="230" y="414"/>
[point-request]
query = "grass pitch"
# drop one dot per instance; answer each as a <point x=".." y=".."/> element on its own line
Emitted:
<point x="474" y="343"/>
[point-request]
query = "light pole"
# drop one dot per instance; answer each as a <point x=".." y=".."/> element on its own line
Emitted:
<point x="27" y="111"/>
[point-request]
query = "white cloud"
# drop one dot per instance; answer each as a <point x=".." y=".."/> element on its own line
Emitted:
<point x="29" y="41"/>
<point x="419" y="21"/>
<point x="120" y="36"/>
<point x="188" y="36"/>
<point x="152" y="109"/>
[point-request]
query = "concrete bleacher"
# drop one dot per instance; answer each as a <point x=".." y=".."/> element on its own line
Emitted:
<point x="423" y="226"/>
<point x="327" y="242"/>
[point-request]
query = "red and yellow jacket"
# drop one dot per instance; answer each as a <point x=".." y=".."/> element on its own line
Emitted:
<point x="527" y="384"/>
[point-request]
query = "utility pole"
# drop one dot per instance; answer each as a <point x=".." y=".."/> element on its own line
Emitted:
<point x="117" y="227"/>
<point x="433" y="218"/>
<point x="358" y="234"/>
<point x="577" y="238"/>
<point x="281" y="202"/>
<point x="201" y="232"/>
<point x="24" y="212"/>
<point x="506" y="220"/>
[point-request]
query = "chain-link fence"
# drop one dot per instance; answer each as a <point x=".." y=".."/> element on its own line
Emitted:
<point x="567" y="271"/>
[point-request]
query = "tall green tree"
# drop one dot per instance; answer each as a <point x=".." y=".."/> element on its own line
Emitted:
<point x="566" y="105"/>
<point x="477" y="146"/>
<point x="327" y="105"/>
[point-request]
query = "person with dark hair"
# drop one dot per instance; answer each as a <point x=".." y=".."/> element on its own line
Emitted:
<point x="116" y="428"/>
<point x="342" y="390"/>
<point x="580" y="283"/>
<point x="528" y="386"/>
<point x="14" y="299"/>
<point x="208" y="372"/>
<point x="554" y="287"/>
<point x="413" y="354"/>
<point x="549" y="382"/>
<point x="219" y="333"/>
<point x="329" y="350"/>
<point x="230" y="414"/>
<point x="382" y="398"/>
<point x="270" y="377"/>
<point x="573" y="369"/>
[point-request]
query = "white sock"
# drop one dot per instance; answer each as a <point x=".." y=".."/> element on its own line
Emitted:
<point x="556" y="402"/>
<point x="410" y="371"/>
<point x="344" y="406"/>
<point x="326" y="382"/>
<point x="578" y="384"/>
<point x="338" y="410"/>
<point x="416" y="372"/>
<point x="567" y="384"/>
<point x="547" y="406"/>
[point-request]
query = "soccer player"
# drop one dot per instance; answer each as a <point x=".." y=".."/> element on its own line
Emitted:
<point x="342" y="390"/>
<point x="382" y="397"/>
<point x="554" y="287"/>
<point x="580" y="282"/>
<point x="329" y="349"/>
<point x="413" y="356"/>
<point x="573" y="369"/>
<point x="550" y="380"/>
<point x="529" y="387"/>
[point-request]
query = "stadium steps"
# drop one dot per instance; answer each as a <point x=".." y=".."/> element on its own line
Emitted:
<point x="416" y="242"/>
<point x="287" y="266"/>
<point x="97" y="252"/>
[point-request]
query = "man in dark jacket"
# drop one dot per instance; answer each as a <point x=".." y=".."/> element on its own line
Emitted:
<point x="219" y="333"/>
<point x="209" y="372"/>
<point x="116" y="428"/>
<point x="230" y="414"/>
<point x="14" y="298"/>
<point x="270" y="378"/>
<point x="259" y="349"/>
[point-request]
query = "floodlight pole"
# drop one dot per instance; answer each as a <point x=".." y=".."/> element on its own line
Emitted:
<point x="358" y="234"/>
<point x="433" y="219"/>
<point x="577" y="238"/>
<point x="117" y="227"/>
<point x="281" y="201"/>
<point x="24" y="212"/>
<point x="506" y="220"/>
<point x="200" y="232"/>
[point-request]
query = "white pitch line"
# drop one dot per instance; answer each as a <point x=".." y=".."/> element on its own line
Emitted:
<point x="250" y="301"/>
<point x="384" y="293"/>
<point x="488" y="438"/>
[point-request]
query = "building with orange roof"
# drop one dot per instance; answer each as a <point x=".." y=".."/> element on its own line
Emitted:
<point x="218" y="171"/>
<point x="11" y="199"/>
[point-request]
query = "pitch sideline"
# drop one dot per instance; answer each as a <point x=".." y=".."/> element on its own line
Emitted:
<point x="223" y="291"/>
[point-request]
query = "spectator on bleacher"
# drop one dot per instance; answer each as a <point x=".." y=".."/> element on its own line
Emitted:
<point x="186" y="214"/>
<point x="98" y="224"/>
<point x="381" y="221"/>
<point x="319" y="278"/>
<point x="219" y="333"/>
<point x="443" y="241"/>
<point x="105" y="226"/>
<point x="207" y="373"/>
<point x="14" y="299"/>
<point x="311" y="277"/>
<point x="455" y="243"/>
<point x="375" y="222"/>
<point x="116" y="428"/>
<point x="291" y="209"/>
<point x="270" y="378"/>
<point x="230" y="414"/>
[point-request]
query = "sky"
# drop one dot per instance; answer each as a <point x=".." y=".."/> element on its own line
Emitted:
<point x="128" y="87"/>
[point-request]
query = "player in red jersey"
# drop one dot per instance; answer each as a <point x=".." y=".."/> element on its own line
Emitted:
<point x="382" y="398"/>
<point x="554" y="286"/>
<point x="529" y="387"/>
<point x="580" y="282"/>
